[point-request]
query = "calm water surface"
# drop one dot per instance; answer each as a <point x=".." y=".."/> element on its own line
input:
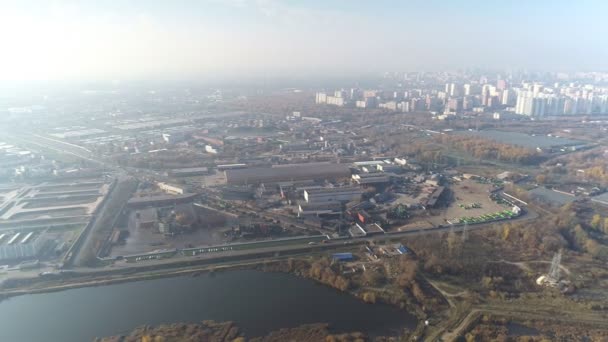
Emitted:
<point x="258" y="302"/>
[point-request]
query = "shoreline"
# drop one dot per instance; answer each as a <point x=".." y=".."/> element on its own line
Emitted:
<point x="258" y="266"/>
<point x="6" y="294"/>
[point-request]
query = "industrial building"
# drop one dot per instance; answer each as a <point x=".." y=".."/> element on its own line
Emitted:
<point x="188" y="172"/>
<point x="389" y="168"/>
<point x="325" y="195"/>
<point x="291" y="172"/>
<point x="371" y="178"/>
<point x="160" y="201"/>
<point x="327" y="208"/>
<point x="436" y="197"/>
<point x="146" y="218"/>
<point x="172" y="189"/>
<point x="342" y="256"/>
<point x="14" y="246"/>
<point x="361" y="230"/>
<point x="224" y="167"/>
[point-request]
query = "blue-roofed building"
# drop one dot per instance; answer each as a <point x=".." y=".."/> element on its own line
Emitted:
<point x="342" y="256"/>
<point x="401" y="249"/>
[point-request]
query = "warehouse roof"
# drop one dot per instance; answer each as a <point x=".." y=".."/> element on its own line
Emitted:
<point x="286" y="173"/>
<point x="161" y="199"/>
<point x="191" y="169"/>
<point x="343" y="189"/>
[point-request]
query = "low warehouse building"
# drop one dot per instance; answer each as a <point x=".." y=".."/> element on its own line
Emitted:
<point x="146" y="219"/>
<point x="21" y="246"/>
<point x="341" y="194"/>
<point x="320" y="209"/>
<point x="188" y="172"/>
<point x="342" y="256"/>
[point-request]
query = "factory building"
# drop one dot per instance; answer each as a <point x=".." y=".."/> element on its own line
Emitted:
<point x="172" y="189"/>
<point x="146" y="219"/>
<point x="327" y="208"/>
<point x="290" y="172"/>
<point x="14" y="246"/>
<point x="436" y="197"/>
<point x="188" y="172"/>
<point x="325" y="195"/>
<point x="371" y="178"/>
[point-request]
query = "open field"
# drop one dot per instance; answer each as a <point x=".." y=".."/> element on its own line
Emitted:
<point x="522" y="139"/>
<point x="146" y="240"/>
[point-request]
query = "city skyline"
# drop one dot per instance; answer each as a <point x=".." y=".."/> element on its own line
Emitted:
<point x="85" y="40"/>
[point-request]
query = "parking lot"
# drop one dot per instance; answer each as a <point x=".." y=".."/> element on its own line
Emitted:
<point x="471" y="201"/>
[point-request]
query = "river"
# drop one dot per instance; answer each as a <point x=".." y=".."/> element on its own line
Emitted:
<point x="257" y="302"/>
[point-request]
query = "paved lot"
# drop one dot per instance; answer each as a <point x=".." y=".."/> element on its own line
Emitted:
<point x="467" y="193"/>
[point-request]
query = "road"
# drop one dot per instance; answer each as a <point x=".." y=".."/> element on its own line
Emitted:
<point x="521" y="313"/>
<point x="84" y="249"/>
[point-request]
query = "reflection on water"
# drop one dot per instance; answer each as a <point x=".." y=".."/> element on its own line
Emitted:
<point x="258" y="302"/>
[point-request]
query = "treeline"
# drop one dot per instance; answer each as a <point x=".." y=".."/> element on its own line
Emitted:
<point x="592" y="163"/>
<point x="488" y="149"/>
<point x="570" y="228"/>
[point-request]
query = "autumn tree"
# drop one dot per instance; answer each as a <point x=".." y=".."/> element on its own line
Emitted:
<point x="417" y="292"/>
<point x="374" y="277"/>
<point x="506" y="231"/>
<point x="341" y="283"/>
<point x="407" y="271"/>
<point x="596" y="222"/>
<point x="541" y="179"/>
<point x="369" y="297"/>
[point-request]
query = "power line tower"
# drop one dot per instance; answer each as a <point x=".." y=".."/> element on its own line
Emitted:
<point x="555" y="263"/>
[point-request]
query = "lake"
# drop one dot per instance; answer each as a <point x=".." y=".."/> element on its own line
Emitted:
<point x="258" y="302"/>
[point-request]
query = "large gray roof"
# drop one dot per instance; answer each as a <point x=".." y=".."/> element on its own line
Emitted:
<point x="287" y="173"/>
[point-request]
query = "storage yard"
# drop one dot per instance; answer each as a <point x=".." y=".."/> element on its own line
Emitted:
<point x="471" y="199"/>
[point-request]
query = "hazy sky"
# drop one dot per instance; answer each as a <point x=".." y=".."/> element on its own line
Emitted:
<point x="144" y="39"/>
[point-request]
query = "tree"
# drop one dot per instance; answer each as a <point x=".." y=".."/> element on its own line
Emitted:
<point x="369" y="297"/>
<point x="596" y="222"/>
<point x="408" y="269"/>
<point x="373" y="277"/>
<point x="341" y="283"/>
<point x="593" y="247"/>
<point x="417" y="292"/>
<point x="506" y="230"/>
<point x="541" y="179"/>
<point x="580" y="235"/>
